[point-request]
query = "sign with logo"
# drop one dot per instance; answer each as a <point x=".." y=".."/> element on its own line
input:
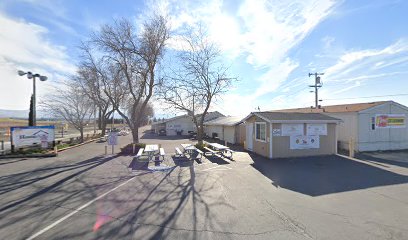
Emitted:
<point x="27" y="136"/>
<point x="113" y="138"/>
<point x="304" y="142"/>
<point x="390" y="121"/>
<point x="276" y="132"/>
<point x="316" y="129"/>
<point x="292" y="129"/>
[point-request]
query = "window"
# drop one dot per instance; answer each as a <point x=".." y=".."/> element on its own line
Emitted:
<point x="260" y="131"/>
<point x="373" y="123"/>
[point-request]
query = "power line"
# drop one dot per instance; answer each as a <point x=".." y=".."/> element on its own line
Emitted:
<point x="393" y="95"/>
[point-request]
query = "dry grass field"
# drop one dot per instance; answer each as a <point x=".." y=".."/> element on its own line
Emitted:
<point x="6" y="123"/>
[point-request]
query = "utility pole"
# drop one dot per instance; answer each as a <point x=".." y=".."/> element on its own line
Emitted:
<point x="318" y="84"/>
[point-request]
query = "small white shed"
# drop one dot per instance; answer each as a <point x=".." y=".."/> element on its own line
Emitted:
<point x="182" y="125"/>
<point x="225" y="128"/>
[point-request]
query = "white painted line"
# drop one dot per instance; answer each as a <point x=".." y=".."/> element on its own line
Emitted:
<point x="77" y="210"/>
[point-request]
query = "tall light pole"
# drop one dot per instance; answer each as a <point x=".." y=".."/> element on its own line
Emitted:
<point x="30" y="75"/>
<point x="318" y="84"/>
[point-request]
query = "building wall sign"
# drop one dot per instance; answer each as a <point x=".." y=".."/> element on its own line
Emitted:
<point x="316" y="129"/>
<point x="276" y="132"/>
<point x="304" y="142"/>
<point x="292" y="129"/>
<point x="26" y="136"/>
<point x="390" y="121"/>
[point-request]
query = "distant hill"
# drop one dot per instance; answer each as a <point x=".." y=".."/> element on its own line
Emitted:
<point x="18" y="114"/>
<point x="13" y="113"/>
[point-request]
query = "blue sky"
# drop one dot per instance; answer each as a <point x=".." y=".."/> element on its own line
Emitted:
<point x="361" y="46"/>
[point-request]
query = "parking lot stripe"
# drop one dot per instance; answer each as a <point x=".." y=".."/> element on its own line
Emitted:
<point x="77" y="210"/>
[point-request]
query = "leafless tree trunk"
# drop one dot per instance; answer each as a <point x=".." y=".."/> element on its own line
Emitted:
<point x="200" y="80"/>
<point x="91" y="79"/>
<point x="70" y="103"/>
<point x="128" y="65"/>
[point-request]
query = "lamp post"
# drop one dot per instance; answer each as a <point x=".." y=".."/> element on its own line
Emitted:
<point x="30" y="75"/>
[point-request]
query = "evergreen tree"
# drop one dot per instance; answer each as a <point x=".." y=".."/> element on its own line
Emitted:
<point x="30" y="114"/>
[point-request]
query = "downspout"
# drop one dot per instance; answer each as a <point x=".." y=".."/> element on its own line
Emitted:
<point x="270" y="141"/>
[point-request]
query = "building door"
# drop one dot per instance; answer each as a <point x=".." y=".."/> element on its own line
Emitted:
<point x="249" y="136"/>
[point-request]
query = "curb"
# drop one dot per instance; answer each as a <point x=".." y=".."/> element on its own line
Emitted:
<point x="77" y="145"/>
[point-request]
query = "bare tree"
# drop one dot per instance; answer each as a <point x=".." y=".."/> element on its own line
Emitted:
<point x="199" y="81"/>
<point x="70" y="103"/>
<point x="145" y="115"/>
<point x="128" y="65"/>
<point x="91" y="81"/>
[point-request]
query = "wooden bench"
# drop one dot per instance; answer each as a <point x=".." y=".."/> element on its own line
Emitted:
<point x="178" y="152"/>
<point x="140" y="153"/>
<point x="212" y="152"/>
<point x="162" y="153"/>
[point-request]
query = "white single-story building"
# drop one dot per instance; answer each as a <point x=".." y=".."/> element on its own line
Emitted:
<point x="282" y="135"/>
<point x="226" y="129"/>
<point x="373" y="126"/>
<point x="181" y="125"/>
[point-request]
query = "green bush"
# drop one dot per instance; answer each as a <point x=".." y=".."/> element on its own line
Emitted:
<point x="201" y="146"/>
<point x="64" y="145"/>
<point x="128" y="149"/>
<point x="31" y="151"/>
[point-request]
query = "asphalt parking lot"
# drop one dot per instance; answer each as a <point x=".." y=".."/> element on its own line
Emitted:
<point x="82" y="194"/>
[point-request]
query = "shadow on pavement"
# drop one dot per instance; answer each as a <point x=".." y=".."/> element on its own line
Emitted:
<point x="217" y="159"/>
<point x="183" y="162"/>
<point x="138" y="165"/>
<point x="154" y="209"/>
<point x="316" y="176"/>
<point x="396" y="158"/>
<point x="10" y="161"/>
<point x="12" y="182"/>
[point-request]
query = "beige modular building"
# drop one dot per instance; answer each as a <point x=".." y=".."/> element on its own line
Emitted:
<point x="282" y="135"/>
<point x="368" y="126"/>
<point x="227" y="129"/>
<point x="182" y="125"/>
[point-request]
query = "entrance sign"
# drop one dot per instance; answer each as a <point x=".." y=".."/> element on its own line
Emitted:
<point x="292" y="129"/>
<point x="112" y="138"/>
<point x="316" y="129"/>
<point x="27" y="136"/>
<point x="304" y="142"/>
<point x="390" y="121"/>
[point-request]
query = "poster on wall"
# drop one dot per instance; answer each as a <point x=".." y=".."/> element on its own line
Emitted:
<point x="26" y="136"/>
<point x="304" y="142"/>
<point x="316" y="129"/>
<point x="292" y="129"/>
<point x="276" y="132"/>
<point x="389" y="121"/>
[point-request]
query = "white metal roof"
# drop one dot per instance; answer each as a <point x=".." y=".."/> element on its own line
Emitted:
<point x="225" y="121"/>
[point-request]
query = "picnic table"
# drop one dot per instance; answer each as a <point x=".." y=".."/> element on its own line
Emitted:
<point x="151" y="149"/>
<point x="191" y="151"/>
<point x="188" y="148"/>
<point x="224" y="150"/>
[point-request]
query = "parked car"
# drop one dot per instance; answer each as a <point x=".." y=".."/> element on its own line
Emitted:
<point x="123" y="132"/>
<point x="162" y="132"/>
